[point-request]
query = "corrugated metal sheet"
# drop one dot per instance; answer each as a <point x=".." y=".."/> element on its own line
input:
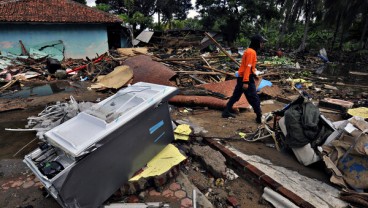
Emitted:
<point x="145" y="36"/>
<point x="273" y="91"/>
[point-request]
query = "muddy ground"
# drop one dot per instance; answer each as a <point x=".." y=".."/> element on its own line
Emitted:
<point x="12" y="169"/>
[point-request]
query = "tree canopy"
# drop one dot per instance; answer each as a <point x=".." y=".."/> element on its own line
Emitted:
<point x="81" y="1"/>
<point x="297" y="24"/>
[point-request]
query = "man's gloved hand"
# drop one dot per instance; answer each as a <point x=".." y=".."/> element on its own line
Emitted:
<point x="245" y="86"/>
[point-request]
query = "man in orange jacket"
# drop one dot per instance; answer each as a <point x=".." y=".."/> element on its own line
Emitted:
<point x="245" y="79"/>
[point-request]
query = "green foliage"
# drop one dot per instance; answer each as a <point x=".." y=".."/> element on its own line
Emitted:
<point x="242" y="41"/>
<point x="103" y="7"/>
<point x="173" y="9"/>
<point x="275" y="60"/>
<point x="233" y="17"/>
<point x="271" y="31"/>
<point x="329" y="22"/>
<point x="137" y="19"/>
<point x="191" y="23"/>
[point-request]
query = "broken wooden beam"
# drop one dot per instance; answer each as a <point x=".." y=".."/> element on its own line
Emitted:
<point x="221" y="48"/>
<point x="9" y="84"/>
<point x="191" y="59"/>
<point x="205" y="67"/>
<point x="198" y="72"/>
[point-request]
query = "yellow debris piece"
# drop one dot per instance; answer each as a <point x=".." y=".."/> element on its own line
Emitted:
<point x="304" y="82"/>
<point x="361" y="112"/>
<point x="182" y="132"/>
<point x="161" y="163"/>
<point x="219" y="182"/>
<point x="242" y="135"/>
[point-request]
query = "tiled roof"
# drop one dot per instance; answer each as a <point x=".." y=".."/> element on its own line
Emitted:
<point x="52" y="11"/>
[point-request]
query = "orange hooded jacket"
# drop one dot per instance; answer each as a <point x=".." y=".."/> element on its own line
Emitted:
<point x="248" y="64"/>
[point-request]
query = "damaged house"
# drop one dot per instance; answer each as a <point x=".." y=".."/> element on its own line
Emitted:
<point x="77" y="29"/>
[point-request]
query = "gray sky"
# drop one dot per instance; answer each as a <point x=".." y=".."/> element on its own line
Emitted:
<point x="91" y="2"/>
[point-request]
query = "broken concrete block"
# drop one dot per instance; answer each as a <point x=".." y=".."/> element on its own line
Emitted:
<point x="212" y="159"/>
<point x="335" y="104"/>
<point x="329" y="87"/>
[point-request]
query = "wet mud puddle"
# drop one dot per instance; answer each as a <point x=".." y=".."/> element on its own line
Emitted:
<point x="41" y="90"/>
<point x="10" y="141"/>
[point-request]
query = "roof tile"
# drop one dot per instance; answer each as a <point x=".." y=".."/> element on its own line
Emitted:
<point x="52" y="11"/>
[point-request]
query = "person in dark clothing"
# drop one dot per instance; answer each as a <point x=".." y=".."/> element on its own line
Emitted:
<point x="246" y="79"/>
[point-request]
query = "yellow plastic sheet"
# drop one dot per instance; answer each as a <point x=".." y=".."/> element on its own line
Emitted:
<point x="361" y="112"/>
<point x="182" y="132"/>
<point x="161" y="163"/>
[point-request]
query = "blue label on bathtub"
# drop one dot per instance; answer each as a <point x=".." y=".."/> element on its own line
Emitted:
<point x="156" y="126"/>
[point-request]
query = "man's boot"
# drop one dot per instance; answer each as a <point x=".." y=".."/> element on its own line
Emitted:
<point x="226" y="114"/>
<point x="259" y="118"/>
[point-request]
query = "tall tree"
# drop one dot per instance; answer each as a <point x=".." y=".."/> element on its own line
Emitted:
<point x="138" y="13"/>
<point x="229" y="15"/>
<point x="169" y="10"/>
<point x="286" y="6"/>
<point x="343" y="14"/>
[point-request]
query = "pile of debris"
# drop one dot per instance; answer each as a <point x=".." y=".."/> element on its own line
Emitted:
<point x="207" y="79"/>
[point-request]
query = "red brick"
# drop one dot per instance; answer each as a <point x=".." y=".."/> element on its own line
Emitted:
<point x="168" y="193"/>
<point x="251" y="168"/>
<point x="133" y="199"/>
<point x="186" y="202"/>
<point x="232" y="201"/>
<point x="268" y="181"/>
<point x="214" y="144"/>
<point x="291" y="196"/>
<point x="180" y="194"/>
<point x="306" y="204"/>
<point x="153" y="192"/>
<point x="228" y="153"/>
<point x="175" y="186"/>
<point x="250" y="177"/>
<point x="240" y="161"/>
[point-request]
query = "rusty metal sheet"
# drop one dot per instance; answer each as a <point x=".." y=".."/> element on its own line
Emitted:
<point x="226" y="88"/>
<point x="146" y="70"/>
<point x="207" y="101"/>
<point x="272" y="91"/>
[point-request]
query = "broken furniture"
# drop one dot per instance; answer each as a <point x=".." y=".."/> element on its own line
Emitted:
<point x="87" y="158"/>
<point x="306" y="155"/>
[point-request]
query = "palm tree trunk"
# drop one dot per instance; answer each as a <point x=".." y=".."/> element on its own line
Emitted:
<point x="305" y="35"/>
<point x="159" y="18"/>
<point x="287" y="7"/>
<point x="336" y="30"/>
<point x="283" y="30"/>
<point x="306" y="27"/>
<point x="342" y="37"/>
<point x="364" y="31"/>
